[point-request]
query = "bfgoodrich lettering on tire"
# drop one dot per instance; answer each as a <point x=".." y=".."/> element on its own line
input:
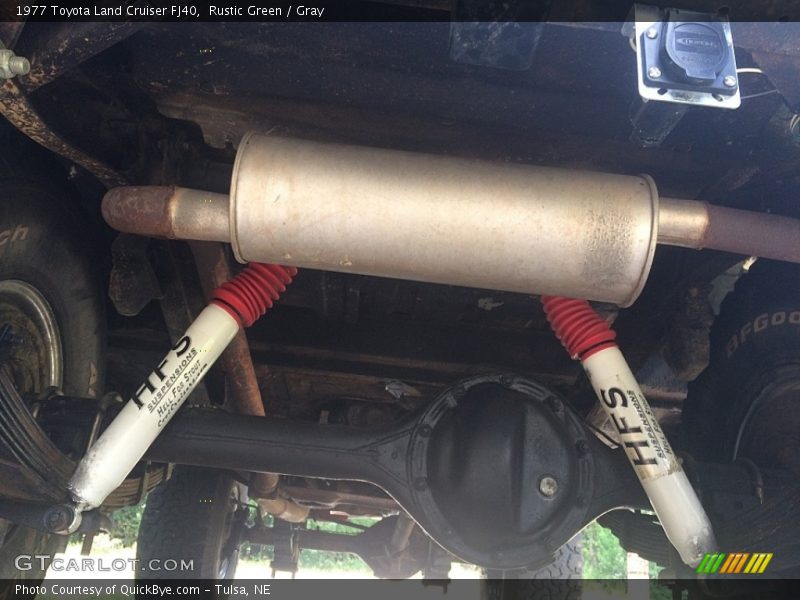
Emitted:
<point x="744" y="405"/>
<point x="51" y="298"/>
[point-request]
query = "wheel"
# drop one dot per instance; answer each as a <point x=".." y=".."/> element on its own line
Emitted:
<point x="560" y="580"/>
<point x="744" y="405"/>
<point x="52" y="323"/>
<point x="195" y="518"/>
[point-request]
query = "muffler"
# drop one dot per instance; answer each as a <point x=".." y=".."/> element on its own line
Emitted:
<point x="418" y="217"/>
<point x="442" y="219"/>
<point x="388" y="213"/>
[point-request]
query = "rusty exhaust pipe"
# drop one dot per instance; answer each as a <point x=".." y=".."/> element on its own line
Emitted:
<point x="244" y="394"/>
<point x="699" y="225"/>
<point x="446" y="220"/>
<point x="168" y="212"/>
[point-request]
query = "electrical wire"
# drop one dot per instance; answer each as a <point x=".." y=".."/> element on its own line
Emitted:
<point x="755" y="71"/>
<point x="759" y="94"/>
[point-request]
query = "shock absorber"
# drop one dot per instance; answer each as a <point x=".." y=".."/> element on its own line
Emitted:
<point x="588" y="338"/>
<point x="237" y="303"/>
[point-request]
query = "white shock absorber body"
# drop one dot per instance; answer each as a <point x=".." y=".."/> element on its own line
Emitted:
<point x="134" y="429"/>
<point x="674" y="500"/>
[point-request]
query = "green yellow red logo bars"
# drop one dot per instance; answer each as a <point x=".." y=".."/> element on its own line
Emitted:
<point x="732" y="563"/>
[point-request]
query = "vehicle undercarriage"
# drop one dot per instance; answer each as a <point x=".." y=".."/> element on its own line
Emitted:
<point x="408" y="371"/>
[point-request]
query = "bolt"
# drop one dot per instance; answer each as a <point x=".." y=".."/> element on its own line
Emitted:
<point x="548" y="486"/>
<point x="553" y="404"/>
<point x="420" y="484"/>
<point x="425" y="431"/>
<point x="652" y="33"/>
<point x="59" y="519"/>
<point x="654" y="72"/>
<point x="729" y="81"/>
<point x="11" y="64"/>
<point x="19" y="65"/>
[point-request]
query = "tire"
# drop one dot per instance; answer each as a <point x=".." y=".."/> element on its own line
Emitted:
<point x="41" y="244"/>
<point x="192" y="517"/>
<point x="742" y="405"/>
<point x="41" y="248"/>
<point x="560" y="580"/>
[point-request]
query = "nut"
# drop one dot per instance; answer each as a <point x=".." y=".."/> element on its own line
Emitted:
<point x="61" y="519"/>
<point x="548" y="486"/>
<point x="11" y="64"/>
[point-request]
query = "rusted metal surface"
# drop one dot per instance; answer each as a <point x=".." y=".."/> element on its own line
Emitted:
<point x="180" y="304"/>
<point x="15" y="106"/>
<point x="688" y="346"/>
<point x="244" y="395"/>
<point x="132" y="283"/>
<point x="167" y="212"/>
<point x="337" y="498"/>
<point x="28" y="458"/>
<point x="243" y="386"/>
<point x="682" y="223"/>
<point x="700" y="225"/>
<point x="9" y="32"/>
<point x="140" y="210"/>
<point x="283" y="508"/>
<point x="59" y="47"/>
<point x="753" y="234"/>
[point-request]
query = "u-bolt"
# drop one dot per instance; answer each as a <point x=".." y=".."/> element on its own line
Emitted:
<point x="588" y="338"/>
<point x="237" y="303"/>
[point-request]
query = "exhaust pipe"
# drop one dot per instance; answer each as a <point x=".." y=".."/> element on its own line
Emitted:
<point x="446" y="220"/>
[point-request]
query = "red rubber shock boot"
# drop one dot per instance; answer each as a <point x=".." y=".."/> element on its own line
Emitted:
<point x="588" y="338"/>
<point x="235" y="304"/>
<point x="578" y="326"/>
<point x="253" y="292"/>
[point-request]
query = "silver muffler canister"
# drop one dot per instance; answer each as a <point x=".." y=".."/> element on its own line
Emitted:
<point x="395" y="214"/>
<point x="447" y="220"/>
